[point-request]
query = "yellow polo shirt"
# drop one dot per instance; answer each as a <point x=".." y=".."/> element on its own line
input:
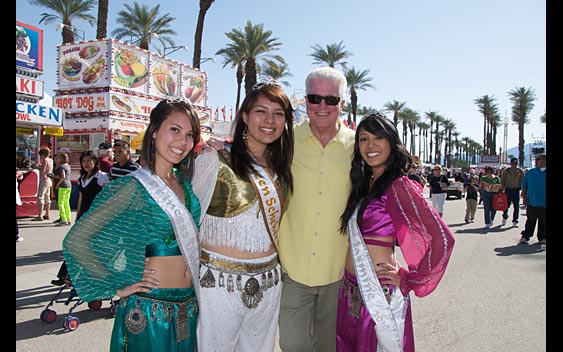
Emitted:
<point x="312" y="250"/>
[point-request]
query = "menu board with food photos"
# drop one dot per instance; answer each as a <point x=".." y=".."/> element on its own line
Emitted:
<point x="126" y="79"/>
<point x="83" y="65"/>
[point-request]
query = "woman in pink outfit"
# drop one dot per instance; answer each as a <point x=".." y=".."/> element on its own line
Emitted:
<point x="385" y="207"/>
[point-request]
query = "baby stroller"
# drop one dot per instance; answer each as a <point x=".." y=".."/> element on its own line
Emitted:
<point x="71" y="322"/>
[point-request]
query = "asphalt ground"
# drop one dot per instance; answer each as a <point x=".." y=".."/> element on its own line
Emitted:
<point x="492" y="297"/>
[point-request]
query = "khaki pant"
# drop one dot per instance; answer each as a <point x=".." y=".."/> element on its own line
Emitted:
<point x="308" y="317"/>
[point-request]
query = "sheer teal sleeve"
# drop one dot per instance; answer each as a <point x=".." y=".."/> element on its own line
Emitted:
<point x="105" y="249"/>
<point x="192" y="203"/>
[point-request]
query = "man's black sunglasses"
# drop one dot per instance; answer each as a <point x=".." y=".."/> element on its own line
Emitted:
<point x="329" y="100"/>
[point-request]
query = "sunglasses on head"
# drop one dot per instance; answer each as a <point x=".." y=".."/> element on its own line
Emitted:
<point x="329" y="100"/>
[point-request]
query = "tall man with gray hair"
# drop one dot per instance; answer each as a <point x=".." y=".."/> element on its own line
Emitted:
<point x="312" y="250"/>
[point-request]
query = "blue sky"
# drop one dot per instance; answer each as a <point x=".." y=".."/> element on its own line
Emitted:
<point x="433" y="55"/>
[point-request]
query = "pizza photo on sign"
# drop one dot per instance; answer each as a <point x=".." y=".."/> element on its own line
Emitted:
<point x="95" y="71"/>
<point x="129" y="71"/>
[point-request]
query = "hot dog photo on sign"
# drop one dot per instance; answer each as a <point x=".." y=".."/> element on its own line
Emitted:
<point x="194" y="88"/>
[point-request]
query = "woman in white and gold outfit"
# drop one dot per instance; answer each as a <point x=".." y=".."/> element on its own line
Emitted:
<point x="240" y="274"/>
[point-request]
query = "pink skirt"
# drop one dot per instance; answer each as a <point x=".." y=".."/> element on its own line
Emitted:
<point x="354" y="326"/>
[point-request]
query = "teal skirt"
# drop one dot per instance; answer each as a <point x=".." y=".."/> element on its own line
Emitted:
<point x="163" y="320"/>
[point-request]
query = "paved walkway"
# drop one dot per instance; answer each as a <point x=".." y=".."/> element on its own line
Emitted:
<point x="492" y="297"/>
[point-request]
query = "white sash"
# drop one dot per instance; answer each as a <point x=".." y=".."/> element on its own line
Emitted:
<point x="388" y="317"/>
<point x="270" y="202"/>
<point x="182" y="221"/>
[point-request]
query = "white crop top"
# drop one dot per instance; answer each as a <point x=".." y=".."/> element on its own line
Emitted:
<point x="245" y="232"/>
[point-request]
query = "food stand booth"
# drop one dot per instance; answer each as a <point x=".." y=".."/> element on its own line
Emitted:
<point x="107" y="89"/>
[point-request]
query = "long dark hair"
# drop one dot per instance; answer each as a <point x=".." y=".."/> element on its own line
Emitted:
<point x="159" y="114"/>
<point x="397" y="165"/>
<point x="280" y="152"/>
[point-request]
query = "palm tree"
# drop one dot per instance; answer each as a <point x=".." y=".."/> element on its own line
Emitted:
<point x="522" y="103"/>
<point x="357" y="80"/>
<point x="422" y="139"/>
<point x="364" y="110"/>
<point x="395" y="107"/>
<point x="144" y="23"/>
<point x="438" y="138"/>
<point x="335" y="53"/>
<point x="276" y="71"/>
<point x="347" y="109"/>
<point x="234" y="56"/>
<point x="449" y="127"/>
<point x="410" y="119"/>
<point x="65" y="12"/>
<point x="456" y="143"/>
<point x="254" y="44"/>
<point x="496" y="120"/>
<point x="204" y="5"/>
<point x="543" y="117"/>
<point x="433" y="117"/>
<point x="487" y="106"/>
<point x="102" y="28"/>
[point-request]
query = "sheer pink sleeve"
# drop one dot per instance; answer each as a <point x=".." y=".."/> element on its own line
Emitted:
<point x="425" y="240"/>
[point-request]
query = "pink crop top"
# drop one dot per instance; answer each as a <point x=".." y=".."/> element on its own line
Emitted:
<point x="377" y="222"/>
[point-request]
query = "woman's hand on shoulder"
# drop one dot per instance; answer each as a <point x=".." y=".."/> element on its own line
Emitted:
<point x="215" y="143"/>
<point x="147" y="283"/>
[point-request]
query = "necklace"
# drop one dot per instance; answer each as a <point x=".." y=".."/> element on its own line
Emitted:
<point x="173" y="184"/>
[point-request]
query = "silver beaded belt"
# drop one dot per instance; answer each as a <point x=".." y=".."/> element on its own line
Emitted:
<point x="252" y="292"/>
<point x="161" y="310"/>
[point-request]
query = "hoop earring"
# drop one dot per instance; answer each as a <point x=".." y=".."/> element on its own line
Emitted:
<point x="363" y="164"/>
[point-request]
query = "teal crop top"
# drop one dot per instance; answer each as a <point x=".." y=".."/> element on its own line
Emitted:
<point x="163" y="248"/>
<point x="106" y="248"/>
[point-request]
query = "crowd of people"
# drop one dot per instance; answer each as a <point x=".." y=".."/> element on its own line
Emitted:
<point x="485" y="186"/>
<point x="216" y="248"/>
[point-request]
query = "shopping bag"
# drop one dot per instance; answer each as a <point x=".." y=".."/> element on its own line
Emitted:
<point x="500" y="202"/>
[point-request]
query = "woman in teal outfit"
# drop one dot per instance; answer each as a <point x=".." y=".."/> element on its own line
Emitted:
<point x="150" y="215"/>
